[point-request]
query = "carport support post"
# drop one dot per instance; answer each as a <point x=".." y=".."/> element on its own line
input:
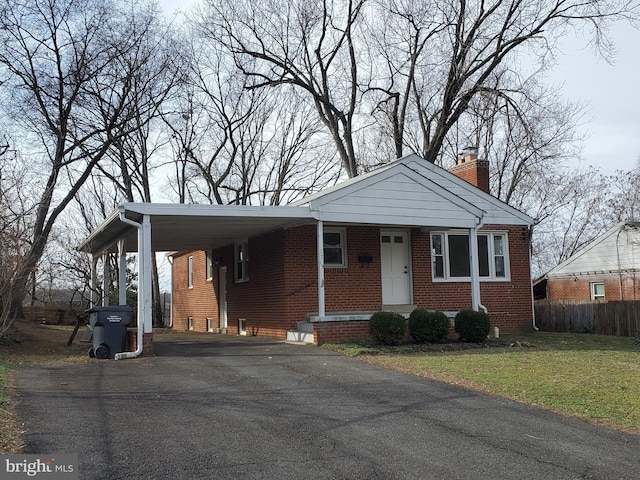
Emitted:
<point x="320" y="248"/>
<point x="122" y="272"/>
<point x="145" y="280"/>
<point x="94" y="281"/>
<point x="106" y="284"/>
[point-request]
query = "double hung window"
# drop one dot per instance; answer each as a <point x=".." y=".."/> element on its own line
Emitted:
<point x="335" y="251"/>
<point x="450" y="256"/>
<point x="241" y="262"/>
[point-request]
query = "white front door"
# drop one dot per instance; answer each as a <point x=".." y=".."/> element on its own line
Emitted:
<point x="222" y="297"/>
<point x="395" y="262"/>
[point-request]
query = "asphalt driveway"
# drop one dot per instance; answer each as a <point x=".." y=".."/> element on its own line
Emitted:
<point x="225" y="407"/>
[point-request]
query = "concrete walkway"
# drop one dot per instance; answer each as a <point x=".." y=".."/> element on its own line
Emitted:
<point x="225" y="407"/>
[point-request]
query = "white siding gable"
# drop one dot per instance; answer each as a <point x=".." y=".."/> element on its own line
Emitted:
<point x="496" y="211"/>
<point x="616" y="250"/>
<point x="395" y="196"/>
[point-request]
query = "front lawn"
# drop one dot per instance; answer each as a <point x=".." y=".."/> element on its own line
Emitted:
<point x="592" y="377"/>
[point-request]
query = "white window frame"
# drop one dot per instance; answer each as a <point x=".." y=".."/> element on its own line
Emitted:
<point x="209" y="264"/>
<point x="597" y="297"/>
<point x="343" y="247"/>
<point x="241" y="261"/>
<point x="491" y="254"/>
<point x="190" y="271"/>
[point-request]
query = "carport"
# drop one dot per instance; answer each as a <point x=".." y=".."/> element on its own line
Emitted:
<point x="146" y="228"/>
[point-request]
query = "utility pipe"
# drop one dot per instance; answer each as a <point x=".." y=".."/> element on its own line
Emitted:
<point x="141" y="288"/>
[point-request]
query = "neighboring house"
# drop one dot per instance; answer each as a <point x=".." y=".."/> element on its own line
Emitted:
<point x="606" y="269"/>
<point x="395" y="238"/>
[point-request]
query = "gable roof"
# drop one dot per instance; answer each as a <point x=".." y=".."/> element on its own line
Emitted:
<point x="416" y="192"/>
<point x="409" y="192"/>
<point x="616" y="250"/>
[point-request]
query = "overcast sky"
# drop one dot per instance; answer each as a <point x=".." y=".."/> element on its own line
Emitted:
<point x="610" y="91"/>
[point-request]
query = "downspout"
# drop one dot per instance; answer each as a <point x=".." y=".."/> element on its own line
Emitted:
<point x="618" y="257"/>
<point x="170" y="260"/>
<point x="138" y="351"/>
<point x="475" y="272"/>
<point x="533" y="307"/>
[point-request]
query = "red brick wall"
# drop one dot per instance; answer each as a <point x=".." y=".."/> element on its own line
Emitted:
<point x="260" y="301"/>
<point x="280" y="294"/>
<point x="473" y="171"/>
<point x="508" y="303"/>
<point x="580" y="289"/>
<point x="198" y="302"/>
<point x="358" y="287"/>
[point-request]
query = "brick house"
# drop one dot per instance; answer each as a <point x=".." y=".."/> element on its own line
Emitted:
<point x="396" y="238"/>
<point x="409" y="234"/>
<point x="606" y="269"/>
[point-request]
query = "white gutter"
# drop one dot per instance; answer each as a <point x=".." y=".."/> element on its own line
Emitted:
<point x="138" y="351"/>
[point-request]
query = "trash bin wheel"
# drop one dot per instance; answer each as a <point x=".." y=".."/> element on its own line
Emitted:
<point x="101" y="352"/>
<point x="92" y="354"/>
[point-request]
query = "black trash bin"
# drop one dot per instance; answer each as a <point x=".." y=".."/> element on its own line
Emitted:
<point x="109" y="327"/>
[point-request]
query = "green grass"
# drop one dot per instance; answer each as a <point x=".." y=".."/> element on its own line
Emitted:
<point x="592" y="377"/>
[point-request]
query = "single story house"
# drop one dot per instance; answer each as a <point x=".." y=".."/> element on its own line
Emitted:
<point x="607" y="268"/>
<point x="409" y="234"/>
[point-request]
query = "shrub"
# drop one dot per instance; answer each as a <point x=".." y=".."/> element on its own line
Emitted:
<point x="387" y="327"/>
<point x="473" y="327"/>
<point x="426" y="326"/>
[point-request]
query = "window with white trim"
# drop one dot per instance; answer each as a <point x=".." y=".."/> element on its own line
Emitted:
<point x="190" y="272"/>
<point x="450" y="256"/>
<point x="597" y="292"/>
<point x="209" y="264"/>
<point x="241" y="268"/>
<point x="335" y="248"/>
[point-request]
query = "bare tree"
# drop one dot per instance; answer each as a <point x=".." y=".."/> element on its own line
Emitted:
<point x="16" y="217"/>
<point x="624" y="203"/>
<point x="417" y="65"/>
<point x="573" y="212"/>
<point x="311" y="46"/>
<point x="67" y="98"/>
<point x="239" y="145"/>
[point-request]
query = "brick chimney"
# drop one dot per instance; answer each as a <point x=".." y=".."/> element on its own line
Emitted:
<point x="470" y="169"/>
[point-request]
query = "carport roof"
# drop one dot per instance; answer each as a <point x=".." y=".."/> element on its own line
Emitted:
<point x="188" y="227"/>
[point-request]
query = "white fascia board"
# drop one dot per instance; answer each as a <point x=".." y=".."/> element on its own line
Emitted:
<point x="199" y="210"/>
<point x="86" y="245"/>
<point x="393" y="220"/>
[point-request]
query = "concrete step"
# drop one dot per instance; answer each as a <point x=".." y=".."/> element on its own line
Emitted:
<point x="306" y="327"/>
<point x="299" y="337"/>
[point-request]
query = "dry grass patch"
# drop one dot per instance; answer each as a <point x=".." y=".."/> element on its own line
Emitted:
<point x="31" y="344"/>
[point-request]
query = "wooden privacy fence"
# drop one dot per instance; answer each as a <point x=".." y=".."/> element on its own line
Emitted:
<point x="621" y="319"/>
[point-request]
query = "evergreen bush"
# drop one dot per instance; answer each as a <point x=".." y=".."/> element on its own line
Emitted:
<point x="387" y="327"/>
<point x="426" y="326"/>
<point x="473" y="327"/>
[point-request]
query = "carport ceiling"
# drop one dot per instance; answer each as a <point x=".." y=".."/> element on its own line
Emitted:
<point x="192" y="227"/>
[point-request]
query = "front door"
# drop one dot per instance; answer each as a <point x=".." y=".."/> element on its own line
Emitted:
<point x="222" y="298"/>
<point x="396" y="276"/>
